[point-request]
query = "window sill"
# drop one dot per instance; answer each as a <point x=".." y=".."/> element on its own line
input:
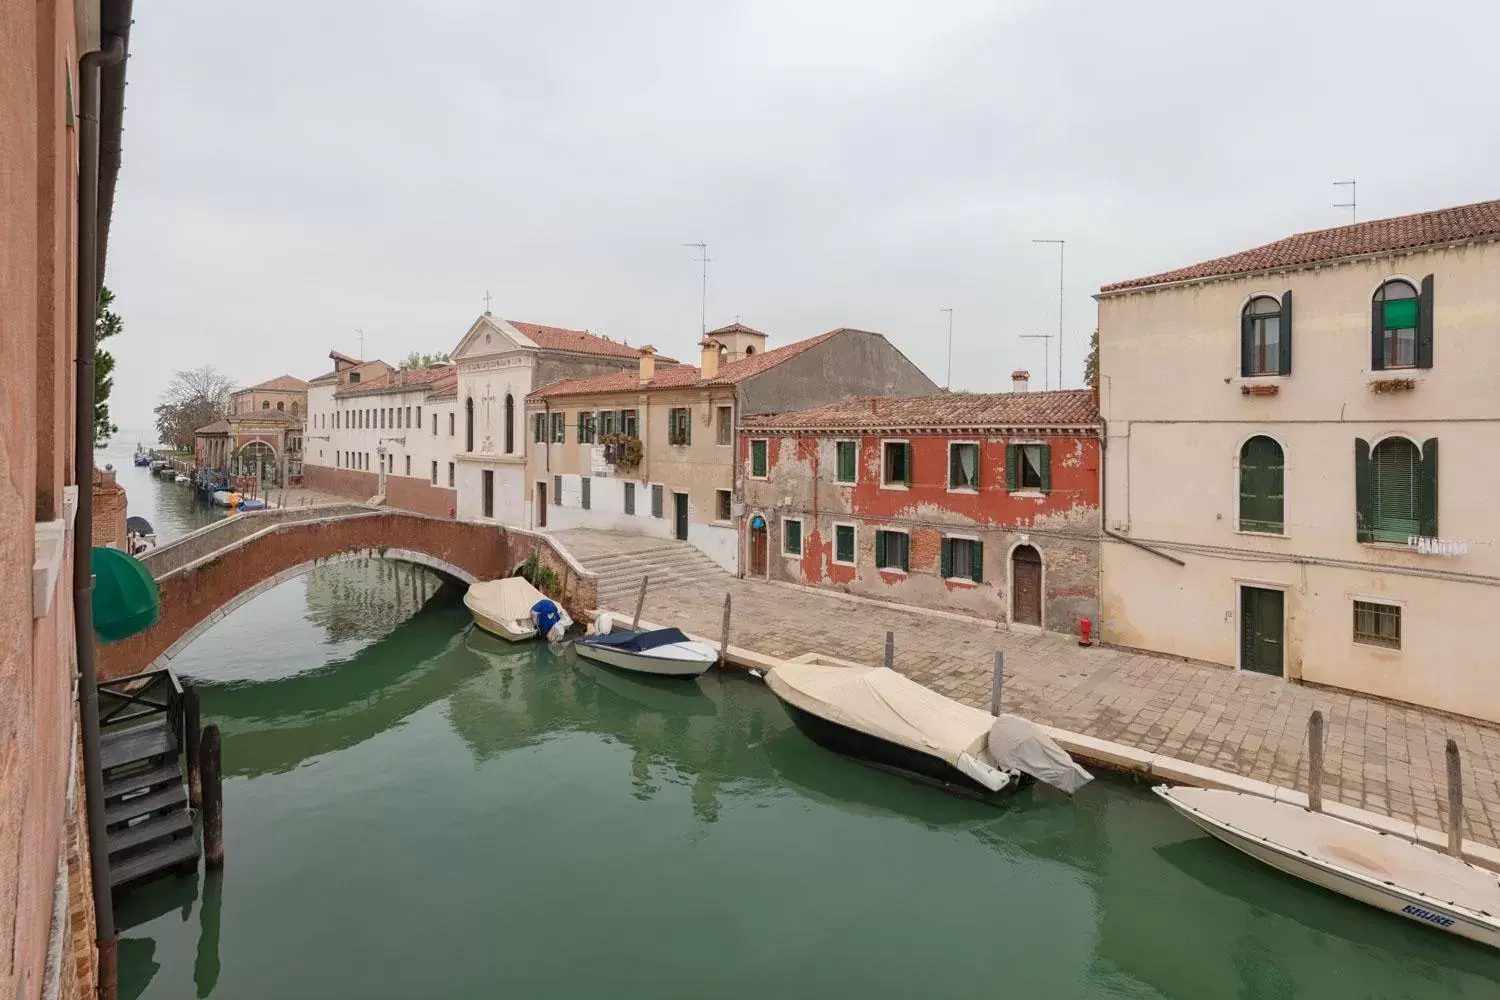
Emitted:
<point x="1261" y="534"/>
<point x="840" y="562"/>
<point x="962" y="582"/>
<point x="1029" y="494"/>
<point x="892" y="570"/>
<point x="759" y="479"/>
<point x="1260" y="379"/>
<point x="895" y="486"/>
<point x="964" y="489"/>
<point x="795" y="556"/>
<point x="846" y="482"/>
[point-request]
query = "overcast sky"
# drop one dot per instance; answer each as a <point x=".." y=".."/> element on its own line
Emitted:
<point x="296" y="171"/>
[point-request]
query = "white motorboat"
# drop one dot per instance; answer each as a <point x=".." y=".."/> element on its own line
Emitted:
<point x="667" y="652"/>
<point x="180" y="478"/>
<point x="1380" y="869"/>
<point x="504" y="608"/>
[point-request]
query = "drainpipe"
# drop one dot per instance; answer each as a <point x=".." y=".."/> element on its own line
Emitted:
<point x="1104" y="508"/>
<point x="112" y="50"/>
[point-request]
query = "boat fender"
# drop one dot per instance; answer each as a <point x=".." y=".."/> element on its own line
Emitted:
<point x="603" y="623"/>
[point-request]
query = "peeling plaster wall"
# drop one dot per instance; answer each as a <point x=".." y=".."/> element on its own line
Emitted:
<point x="1063" y="525"/>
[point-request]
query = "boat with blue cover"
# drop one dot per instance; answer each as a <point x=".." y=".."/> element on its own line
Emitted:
<point x="666" y="652"/>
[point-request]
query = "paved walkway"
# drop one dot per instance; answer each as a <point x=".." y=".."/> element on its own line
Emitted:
<point x="1381" y="757"/>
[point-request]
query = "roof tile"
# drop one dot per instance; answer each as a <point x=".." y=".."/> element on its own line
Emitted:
<point x="1058" y="408"/>
<point x="556" y="338"/>
<point x="400" y="380"/>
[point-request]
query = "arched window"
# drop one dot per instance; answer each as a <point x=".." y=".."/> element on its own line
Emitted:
<point x="294" y="406"/>
<point x="1395" y="491"/>
<point x="1262" y="486"/>
<point x="469" y="424"/>
<point x="1266" y="336"/>
<point x="749" y="349"/>
<point x="265" y="404"/>
<point x="281" y="406"/>
<point x="1400" y="333"/>
<point x="510" y="423"/>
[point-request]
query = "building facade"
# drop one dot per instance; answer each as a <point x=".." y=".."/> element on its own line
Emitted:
<point x="985" y="504"/>
<point x="651" y="451"/>
<point x="1274" y="497"/>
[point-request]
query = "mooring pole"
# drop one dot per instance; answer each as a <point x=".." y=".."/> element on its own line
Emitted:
<point x="213" y="799"/>
<point x="999" y="682"/>
<point x="724" y="635"/>
<point x="1315" y="761"/>
<point x="640" y="602"/>
<point x="192" y="732"/>
<point x="890" y="650"/>
<point x="1455" y="802"/>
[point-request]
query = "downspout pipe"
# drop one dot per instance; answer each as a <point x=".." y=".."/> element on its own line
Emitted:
<point x="112" y="51"/>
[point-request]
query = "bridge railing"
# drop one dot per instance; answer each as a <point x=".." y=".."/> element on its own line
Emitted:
<point x="211" y="538"/>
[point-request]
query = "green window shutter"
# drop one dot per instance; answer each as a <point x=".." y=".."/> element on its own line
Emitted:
<point x="952" y="469"/>
<point x="947" y="557"/>
<point x="1247" y="347"/>
<point x="846" y="460"/>
<point x="1364" y="493"/>
<point x="1377" y="336"/>
<point x="1424" y="325"/>
<point x="906" y="464"/>
<point x="977" y="561"/>
<point x="1046" y="470"/>
<point x="880" y="537"/>
<point x="1427" y="486"/>
<point x="1286" y="332"/>
<point x="1012" y="467"/>
<point x="1262" y="474"/>
<point x="1250" y="489"/>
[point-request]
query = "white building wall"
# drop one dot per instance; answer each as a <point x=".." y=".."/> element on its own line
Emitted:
<point x="720" y="542"/>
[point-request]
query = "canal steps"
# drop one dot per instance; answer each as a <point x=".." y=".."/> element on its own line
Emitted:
<point x="672" y="564"/>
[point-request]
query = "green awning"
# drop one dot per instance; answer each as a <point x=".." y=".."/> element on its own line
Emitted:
<point x="1401" y="314"/>
<point x="125" y="596"/>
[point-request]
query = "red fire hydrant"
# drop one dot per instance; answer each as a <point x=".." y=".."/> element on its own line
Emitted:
<point x="1085" y="629"/>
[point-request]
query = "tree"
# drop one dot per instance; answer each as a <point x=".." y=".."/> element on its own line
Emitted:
<point x="416" y="359"/>
<point x="1091" y="363"/>
<point x="191" y="400"/>
<point x="106" y="324"/>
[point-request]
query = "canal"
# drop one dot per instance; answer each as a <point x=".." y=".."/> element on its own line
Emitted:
<point x="416" y="810"/>
<point x="174" y="509"/>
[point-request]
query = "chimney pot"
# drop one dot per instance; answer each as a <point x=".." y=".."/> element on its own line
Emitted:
<point x="1020" y="380"/>
<point x="647" y="369"/>
<point x="709" y="360"/>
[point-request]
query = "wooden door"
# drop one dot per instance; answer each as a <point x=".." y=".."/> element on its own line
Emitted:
<point x="1261" y="643"/>
<point x="1026" y="586"/>
<point x="758" y="547"/>
<point x="680" y="501"/>
<point x="541" y="505"/>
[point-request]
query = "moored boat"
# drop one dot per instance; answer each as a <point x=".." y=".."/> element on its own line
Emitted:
<point x="504" y="607"/>
<point x="140" y="537"/>
<point x="881" y="718"/>
<point x="666" y="652"/>
<point x="1379" y="869"/>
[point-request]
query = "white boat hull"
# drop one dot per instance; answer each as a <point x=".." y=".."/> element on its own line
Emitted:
<point x="680" y="659"/>
<point x="514" y="631"/>
<point x="1392" y="898"/>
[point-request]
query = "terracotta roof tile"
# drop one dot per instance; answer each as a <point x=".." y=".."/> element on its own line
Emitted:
<point x="220" y="426"/>
<point x="1058" y="408"/>
<point x="684" y="376"/>
<point x="1447" y="225"/>
<point x="400" y="380"/>
<point x="446" y="385"/>
<point x="556" y="338"/>
<point x="281" y="383"/>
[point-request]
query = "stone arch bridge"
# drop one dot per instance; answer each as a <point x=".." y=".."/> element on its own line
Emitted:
<point x="205" y="575"/>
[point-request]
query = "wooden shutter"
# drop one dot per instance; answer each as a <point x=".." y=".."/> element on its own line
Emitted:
<point x="1424" y="324"/>
<point x="1377" y="335"/>
<point x="1012" y="467"/>
<point x="906" y="464"/>
<point x="1247" y="352"/>
<point x="1427" y="486"/>
<point x="1286" y="332"/>
<point x="880" y="537"/>
<point x="976" y="555"/>
<point x="947" y="558"/>
<point x="1046" y="470"/>
<point x="1364" y="496"/>
<point x="904" y="544"/>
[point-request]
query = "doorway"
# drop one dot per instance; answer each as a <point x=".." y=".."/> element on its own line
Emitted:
<point x="489" y="493"/>
<point x="541" y="505"/>
<point x="757" y="546"/>
<point x="1026" y="586"/>
<point x="680" y="516"/>
<point x="1261" y="630"/>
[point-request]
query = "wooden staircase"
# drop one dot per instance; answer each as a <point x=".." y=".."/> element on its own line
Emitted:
<point x="149" y="826"/>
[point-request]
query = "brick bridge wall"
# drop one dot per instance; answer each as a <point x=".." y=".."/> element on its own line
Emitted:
<point x="197" y="592"/>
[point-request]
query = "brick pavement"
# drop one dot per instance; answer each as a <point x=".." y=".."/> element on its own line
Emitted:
<point x="1381" y="757"/>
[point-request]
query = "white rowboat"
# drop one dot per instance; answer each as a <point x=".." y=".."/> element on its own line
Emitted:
<point x="1376" y="868"/>
<point x="503" y="607"/>
<point x="666" y="652"/>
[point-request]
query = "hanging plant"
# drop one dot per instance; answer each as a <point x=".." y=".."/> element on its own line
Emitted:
<point x="1382" y="385"/>
<point x="622" y="451"/>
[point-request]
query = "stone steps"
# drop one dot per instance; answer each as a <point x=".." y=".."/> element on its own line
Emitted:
<point x="669" y="564"/>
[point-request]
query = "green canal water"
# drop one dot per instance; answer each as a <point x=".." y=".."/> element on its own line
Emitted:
<point x="415" y="810"/>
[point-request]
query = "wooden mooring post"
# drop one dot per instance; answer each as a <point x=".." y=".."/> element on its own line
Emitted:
<point x="640" y="603"/>
<point x="999" y="682"/>
<point x="1455" y="802"/>
<point x="1315" y="761"/>
<point x="724" y="635"/>
<point x="213" y="799"/>
<point x="192" y="721"/>
<point x="890" y="650"/>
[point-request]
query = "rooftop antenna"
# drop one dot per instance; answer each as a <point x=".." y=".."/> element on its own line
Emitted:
<point x="487" y="302"/>
<point x="1046" y="350"/>
<point x="1353" y="203"/>
<point x="704" y="259"/>
<point x="1062" y="254"/>
<point x="361" y="344"/>
<point x="948" y="378"/>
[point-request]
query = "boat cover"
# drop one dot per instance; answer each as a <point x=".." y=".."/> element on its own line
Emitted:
<point x="1021" y="744"/>
<point x="637" y="642"/>
<point x="139" y="525"/>
<point x="509" y="599"/>
<point x="884" y="704"/>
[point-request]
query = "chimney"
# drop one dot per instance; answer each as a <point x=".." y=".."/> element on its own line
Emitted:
<point x="648" y="364"/>
<point x="1020" y="380"/>
<point x="709" y="361"/>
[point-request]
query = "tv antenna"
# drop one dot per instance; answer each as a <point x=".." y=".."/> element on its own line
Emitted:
<point x="1353" y="203"/>
<point x="948" y="378"/>
<point x="361" y="344"/>
<point x="704" y="259"/>
<point x="1046" y="350"/>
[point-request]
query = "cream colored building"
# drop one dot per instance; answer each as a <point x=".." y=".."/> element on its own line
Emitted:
<point x="652" y="451"/>
<point x="1274" y="498"/>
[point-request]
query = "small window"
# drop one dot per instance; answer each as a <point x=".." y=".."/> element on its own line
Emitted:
<point x="892" y="549"/>
<point x="1377" y="624"/>
<point x="538" y="428"/>
<point x="1261" y="336"/>
<point x="963" y="559"/>
<point x="723" y="505"/>
<point x="630" y="498"/>
<point x="1397" y="315"/>
<point x="1028" y="468"/>
<point x="843" y="544"/>
<point x="679" y="425"/>
<point x="791" y="536"/>
<point x="434" y="424"/>
<point x="1262" y="490"/>
<point x="281" y="407"/>
<point x="630" y="424"/>
<point x="759" y="458"/>
<point x="265" y="404"/>
<point x="559" y="428"/>
<point x="721" y="425"/>
<point x="557" y="491"/>
<point x="963" y="466"/>
<point x="418" y="424"/>
<point x="408" y="465"/>
<point x="656" y="501"/>
<point x="896" y="463"/>
<point x="585" y="426"/>
<point x="584" y="484"/>
<point x="608" y="423"/>
<point x="452" y="419"/>
<point x="354" y="378"/>
<point x="434" y="472"/>
<point x="846" y="455"/>
<point x="450" y="473"/>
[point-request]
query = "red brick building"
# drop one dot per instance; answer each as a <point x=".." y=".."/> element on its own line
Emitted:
<point x="986" y="504"/>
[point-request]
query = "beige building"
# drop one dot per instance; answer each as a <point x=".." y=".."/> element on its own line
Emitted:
<point x="1274" y="498"/>
<point x="651" y="451"/>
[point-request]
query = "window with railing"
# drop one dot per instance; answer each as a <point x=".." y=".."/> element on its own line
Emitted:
<point x="1377" y="624"/>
